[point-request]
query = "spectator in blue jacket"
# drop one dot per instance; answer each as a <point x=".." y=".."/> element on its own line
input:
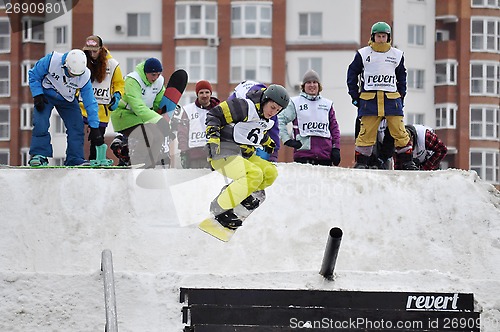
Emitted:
<point x="316" y="135"/>
<point x="54" y="81"/>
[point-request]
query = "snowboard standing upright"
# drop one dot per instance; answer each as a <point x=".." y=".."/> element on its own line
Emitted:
<point x="173" y="92"/>
<point x="211" y="226"/>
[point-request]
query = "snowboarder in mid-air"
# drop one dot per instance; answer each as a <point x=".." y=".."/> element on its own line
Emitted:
<point x="235" y="128"/>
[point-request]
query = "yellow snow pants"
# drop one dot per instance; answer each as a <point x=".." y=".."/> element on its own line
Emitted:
<point x="248" y="175"/>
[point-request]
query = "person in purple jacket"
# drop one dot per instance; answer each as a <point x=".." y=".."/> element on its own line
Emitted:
<point x="316" y="135"/>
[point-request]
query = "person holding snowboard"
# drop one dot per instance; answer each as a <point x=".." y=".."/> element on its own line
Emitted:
<point x="107" y="82"/>
<point x="379" y="94"/>
<point x="136" y="119"/>
<point x="54" y="82"/>
<point x="235" y="128"/>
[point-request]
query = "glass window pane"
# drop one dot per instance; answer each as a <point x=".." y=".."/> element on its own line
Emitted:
<point x="303" y="24"/>
<point x="251" y="12"/>
<point x="477" y="27"/>
<point x="316" y="24"/>
<point x="195" y="12"/>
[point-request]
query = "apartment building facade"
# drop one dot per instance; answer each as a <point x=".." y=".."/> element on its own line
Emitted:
<point x="451" y="54"/>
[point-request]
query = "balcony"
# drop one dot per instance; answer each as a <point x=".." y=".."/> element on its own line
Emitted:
<point x="447" y="10"/>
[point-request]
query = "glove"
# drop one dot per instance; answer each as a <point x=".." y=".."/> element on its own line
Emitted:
<point x="247" y="150"/>
<point x="269" y="145"/>
<point x="113" y="104"/>
<point x="335" y="156"/>
<point x="213" y="143"/>
<point x="293" y="143"/>
<point x="355" y="102"/>
<point x="39" y="102"/>
<point x="96" y="137"/>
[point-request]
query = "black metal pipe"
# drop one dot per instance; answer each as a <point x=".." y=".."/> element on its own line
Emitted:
<point x="331" y="253"/>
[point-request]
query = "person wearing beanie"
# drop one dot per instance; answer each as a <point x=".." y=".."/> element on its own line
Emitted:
<point x="107" y="82"/>
<point x="152" y="65"/>
<point x="136" y="118"/>
<point x="379" y="94"/>
<point x="315" y="136"/>
<point x="190" y="126"/>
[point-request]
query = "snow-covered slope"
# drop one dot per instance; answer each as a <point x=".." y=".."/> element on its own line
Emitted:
<point x="403" y="231"/>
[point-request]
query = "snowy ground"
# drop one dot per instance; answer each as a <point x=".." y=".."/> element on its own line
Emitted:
<point x="403" y="231"/>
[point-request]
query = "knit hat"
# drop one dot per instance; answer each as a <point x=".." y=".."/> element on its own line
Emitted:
<point x="152" y="65"/>
<point x="93" y="43"/>
<point x="311" y="76"/>
<point x="203" y="85"/>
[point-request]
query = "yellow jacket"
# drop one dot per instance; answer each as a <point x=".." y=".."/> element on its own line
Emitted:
<point x="117" y="85"/>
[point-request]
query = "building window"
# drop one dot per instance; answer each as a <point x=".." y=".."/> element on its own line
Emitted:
<point x="442" y="35"/>
<point x="415" y="79"/>
<point x="139" y="25"/>
<point x="251" y="63"/>
<point x="59" y="127"/>
<point x="4" y="36"/>
<point x="200" y="63"/>
<point x="61" y="35"/>
<point x="251" y="20"/>
<point x="26" y="117"/>
<point x="305" y="64"/>
<point x="195" y="20"/>
<point x="25" y="156"/>
<point x="484" y="79"/>
<point x="484" y="122"/>
<point x="416" y="34"/>
<point x="486" y="3"/>
<point x="310" y="24"/>
<point x="4" y="157"/>
<point x="189" y="97"/>
<point x="485" y="34"/>
<point x="486" y="165"/>
<point x="415" y="118"/>
<point x="446" y="116"/>
<point x="132" y="63"/>
<point x="4" y="123"/>
<point x="446" y="72"/>
<point x="33" y="29"/>
<point x="4" y="79"/>
<point x="25" y="67"/>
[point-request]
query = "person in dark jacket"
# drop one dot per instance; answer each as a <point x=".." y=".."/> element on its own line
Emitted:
<point x="383" y="87"/>
<point x="235" y="128"/>
<point x="247" y="88"/>
<point x="316" y="135"/>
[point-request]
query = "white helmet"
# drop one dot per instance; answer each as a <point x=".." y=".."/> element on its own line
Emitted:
<point x="76" y="62"/>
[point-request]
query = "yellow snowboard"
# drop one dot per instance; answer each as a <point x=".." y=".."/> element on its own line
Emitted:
<point x="212" y="227"/>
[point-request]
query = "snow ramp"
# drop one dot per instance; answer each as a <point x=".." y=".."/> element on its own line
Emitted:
<point x="402" y="231"/>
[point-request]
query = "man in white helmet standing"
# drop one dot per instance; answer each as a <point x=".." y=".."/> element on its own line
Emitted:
<point x="54" y="81"/>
